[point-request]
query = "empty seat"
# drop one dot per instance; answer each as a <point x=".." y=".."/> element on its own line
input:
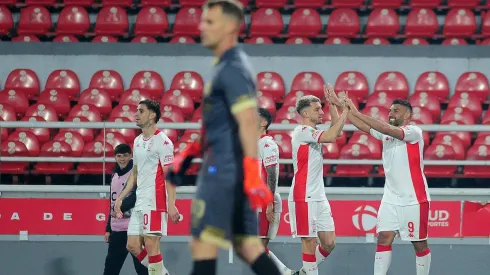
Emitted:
<point x="112" y="20"/>
<point x="153" y="3"/>
<point x="308" y="82"/>
<point x="266" y="21"/>
<point x="458" y="114"/>
<point x="42" y="134"/>
<point x="55" y="149"/>
<point x="298" y="41"/>
<point x="151" y="21"/>
<point x="429" y="4"/>
<point x="45" y="111"/>
<point x="463" y="3"/>
<point x="421" y="23"/>
<point x="454" y="42"/>
<point x="485" y="26"/>
<point x="7" y="113"/>
<point x="172" y="112"/>
<point x="59" y="101"/>
<point x="465" y="137"/>
<point x="64" y="81"/>
<point x="192" y="3"/>
<point x="473" y="82"/>
<point x="98" y="98"/>
<point x="189" y="81"/>
<point x="266" y="100"/>
<point x="394" y="4"/>
<point x="434" y="83"/>
<point x="355" y="4"/>
<point x="271" y="3"/>
<point x="379" y="113"/>
<point x="119" y="3"/>
<point x="467" y="101"/>
<point x="6" y="21"/>
<point x="144" y="39"/>
<point x="180" y="99"/>
<point x="87" y="134"/>
<point x="315" y="4"/>
<point x="74" y="139"/>
<point x="13" y="149"/>
<point x="24" y="80"/>
<point x="337" y="41"/>
<point x="343" y="22"/>
<point x="377" y="41"/>
<point x="374" y="145"/>
<point x="105" y="39"/>
<point x="180" y="39"/>
<point x="82" y="3"/>
<point x="125" y="111"/>
<point x="392" y="82"/>
<point x="380" y="99"/>
<point x="415" y="41"/>
<point x="273" y="83"/>
<point x="26" y="39"/>
<point x="29" y="139"/>
<point x="134" y="96"/>
<point x="439" y="152"/>
<point x="65" y="39"/>
<point x="427" y="101"/>
<point x="148" y="81"/>
<point x="112" y="138"/>
<point x="354" y="151"/>
<point x="459" y="23"/>
<point x="109" y="81"/>
<point x="100" y="150"/>
<point x="382" y="23"/>
<point x="421" y="116"/>
<point x="259" y="40"/>
<point x="73" y="20"/>
<point x="187" y="21"/>
<point x="477" y="152"/>
<point x="17" y="99"/>
<point x="293" y="97"/>
<point x="354" y="82"/>
<point x="3" y="132"/>
<point x="129" y="134"/>
<point x="34" y="20"/>
<point x="454" y="142"/>
<point x="305" y="22"/>
<point x="287" y="112"/>
<point x="330" y="151"/>
<point x="88" y="111"/>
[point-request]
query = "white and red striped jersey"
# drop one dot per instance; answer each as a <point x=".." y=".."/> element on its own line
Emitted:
<point x="308" y="165"/>
<point x="149" y="156"/>
<point x="403" y="165"/>
<point x="269" y="156"/>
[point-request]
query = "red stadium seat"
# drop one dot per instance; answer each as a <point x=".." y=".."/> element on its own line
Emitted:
<point x="377" y="41"/>
<point x="463" y="3"/>
<point x="337" y="41"/>
<point x="153" y="3"/>
<point x="454" y="142"/>
<point x="354" y="82"/>
<point x="421" y="23"/>
<point x="187" y="21"/>
<point x="65" y="39"/>
<point x="150" y="82"/>
<point x="100" y="150"/>
<point x="467" y="101"/>
<point x="192" y="3"/>
<point x="458" y="114"/>
<point x="308" y="82"/>
<point x="314" y="4"/>
<point x="64" y="81"/>
<point x="189" y="81"/>
<point x="197" y="116"/>
<point x="266" y="100"/>
<point x="273" y="83"/>
<point x="394" y="4"/>
<point x="120" y="3"/>
<point x="109" y="81"/>
<point x="182" y="40"/>
<point x="427" y="101"/>
<point x="181" y="99"/>
<point x="380" y="99"/>
<point x="283" y="141"/>
<point x="45" y="111"/>
<point x="29" y="139"/>
<point x="343" y="22"/>
<point x="286" y="132"/>
<point x="73" y="20"/>
<point x="354" y="151"/>
<point x="13" y="149"/>
<point x="259" y="40"/>
<point x="485" y="26"/>
<point x="293" y="97"/>
<point x="483" y="138"/>
<point x="6" y="21"/>
<point x="433" y="83"/>
<point x="17" y="99"/>
<point x="288" y="112"/>
<point x="87" y="134"/>
<point x="172" y="112"/>
<point x="485" y="119"/>
<point x="330" y="151"/>
<point x="477" y="152"/>
<point x="266" y="21"/>
<point x="59" y="101"/>
<point x="7" y="113"/>
<point x="125" y="111"/>
<point x="144" y="39"/>
<point x="42" y="134"/>
<point x="429" y="4"/>
<point x="34" y="20"/>
<point x="83" y="3"/>
<point x="305" y="22"/>
<point x="382" y="23"/>
<point x="374" y="145"/>
<point x="151" y="21"/>
<point x="112" y="138"/>
<point x="105" y="39"/>
<point x="415" y="41"/>
<point x="473" y="82"/>
<point x="112" y="20"/>
<point x="271" y="3"/>
<point x="190" y="136"/>
<point x="26" y="39"/>
<point x="298" y="41"/>
<point x="422" y="116"/>
<point x="56" y="149"/>
<point x="172" y="134"/>
<point x="355" y="4"/>
<point x="88" y="111"/>
<point x="98" y="98"/>
<point x="454" y="42"/>
<point x="134" y="96"/>
<point x="392" y="82"/>
<point x="129" y="134"/>
<point x="460" y="23"/>
<point x="3" y="132"/>
<point x="439" y="152"/>
<point x="465" y="137"/>
<point x="74" y="139"/>
<point x="379" y="113"/>
<point x="24" y="80"/>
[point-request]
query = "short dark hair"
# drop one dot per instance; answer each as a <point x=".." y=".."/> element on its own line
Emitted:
<point x="153" y="106"/>
<point x="404" y="103"/>
<point x="231" y="8"/>
<point x="122" y="148"/>
<point x="306" y="101"/>
<point x="265" y="114"/>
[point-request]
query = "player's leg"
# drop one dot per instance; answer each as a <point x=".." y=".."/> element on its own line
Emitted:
<point x="326" y="231"/>
<point x="138" y="266"/>
<point x="301" y="220"/>
<point x="386" y="229"/>
<point x="135" y="238"/>
<point x="267" y="232"/>
<point x="155" y="227"/>
<point x="116" y="253"/>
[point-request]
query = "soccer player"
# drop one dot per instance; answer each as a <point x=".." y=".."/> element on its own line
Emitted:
<point x="309" y="210"/>
<point x="270" y="219"/>
<point x="155" y="199"/>
<point x="116" y="230"/>
<point x="405" y="204"/>
<point x="229" y="187"/>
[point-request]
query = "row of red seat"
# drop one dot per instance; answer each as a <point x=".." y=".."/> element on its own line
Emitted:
<point x="304" y="22"/>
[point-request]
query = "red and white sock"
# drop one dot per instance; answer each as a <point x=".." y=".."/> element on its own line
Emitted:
<point x="423" y="262"/>
<point x="382" y="260"/>
<point x="309" y="264"/>
<point x="155" y="266"/>
<point x="320" y="254"/>
<point x="143" y="257"/>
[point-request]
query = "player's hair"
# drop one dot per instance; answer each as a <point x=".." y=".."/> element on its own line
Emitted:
<point x="404" y="103"/>
<point x="153" y="106"/>
<point x="122" y="148"/>
<point x="230" y="8"/>
<point x="305" y="102"/>
<point x="265" y="114"/>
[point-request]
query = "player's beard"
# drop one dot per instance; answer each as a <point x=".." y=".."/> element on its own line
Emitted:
<point x="395" y="122"/>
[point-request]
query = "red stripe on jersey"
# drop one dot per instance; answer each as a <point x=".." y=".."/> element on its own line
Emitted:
<point x="302" y="218"/>
<point x="413" y="152"/>
<point x="424" y="220"/>
<point x="155" y="220"/>
<point x="301" y="176"/>
<point x="160" y="190"/>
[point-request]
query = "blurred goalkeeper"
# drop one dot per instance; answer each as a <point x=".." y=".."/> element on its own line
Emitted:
<point x="229" y="186"/>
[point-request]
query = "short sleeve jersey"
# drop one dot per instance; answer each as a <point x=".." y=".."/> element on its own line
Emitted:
<point x="308" y="165"/>
<point x="150" y="155"/>
<point x="231" y="89"/>
<point x="403" y="166"/>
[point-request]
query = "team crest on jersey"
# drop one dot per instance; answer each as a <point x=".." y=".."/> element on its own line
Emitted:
<point x="315" y="133"/>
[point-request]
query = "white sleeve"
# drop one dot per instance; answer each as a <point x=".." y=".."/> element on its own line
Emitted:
<point x="308" y="134"/>
<point x="166" y="152"/>
<point x="270" y="154"/>
<point x="377" y="135"/>
<point x="134" y="148"/>
<point x="411" y="133"/>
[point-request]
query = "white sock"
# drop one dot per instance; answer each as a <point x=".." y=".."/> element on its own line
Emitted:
<point x="382" y="260"/>
<point x="320" y="255"/>
<point x="423" y="262"/>
<point x="143" y="257"/>
<point x="309" y="264"/>
<point x="155" y="266"/>
<point x="278" y="262"/>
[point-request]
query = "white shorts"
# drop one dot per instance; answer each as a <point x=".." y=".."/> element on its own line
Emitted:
<point x="148" y="222"/>
<point x="410" y="221"/>
<point x="268" y="230"/>
<point x="308" y="218"/>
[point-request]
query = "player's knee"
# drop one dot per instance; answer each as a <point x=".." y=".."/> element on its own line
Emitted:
<point x="328" y="245"/>
<point x="203" y="251"/>
<point x="152" y="244"/>
<point x="385" y="238"/>
<point x="420" y="246"/>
